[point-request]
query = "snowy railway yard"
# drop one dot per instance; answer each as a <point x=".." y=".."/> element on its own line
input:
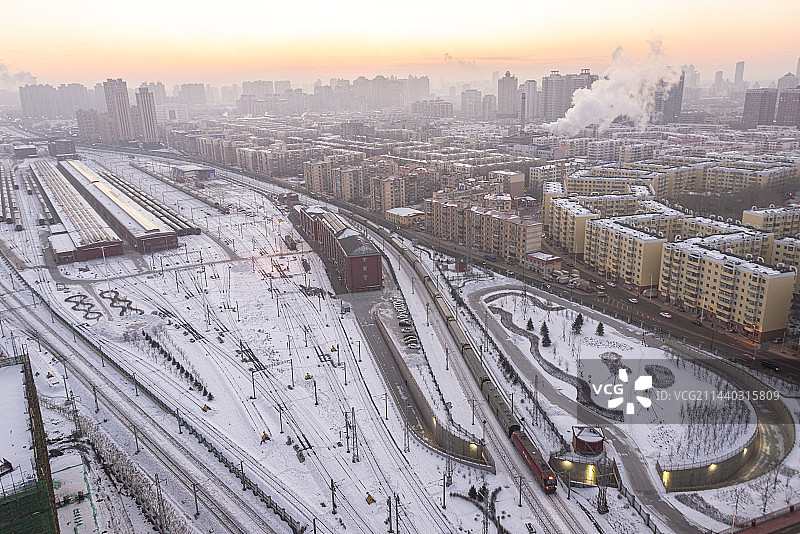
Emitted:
<point x="226" y="372"/>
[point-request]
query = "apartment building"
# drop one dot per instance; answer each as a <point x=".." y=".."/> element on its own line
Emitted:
<point x="568" y="220"/>
<point x="781" y="221"/>
<point x="506" y="236"/>
<point x="348" y="183"/>
<point x="513" y="182"/>
<point x="786" y="252"/>
<point x="626" y="254"/>
<point x="738" y="175"/>
<point x="743" y="295"/>
<point x="502" y="234"/>
<point x="317" y="175"/>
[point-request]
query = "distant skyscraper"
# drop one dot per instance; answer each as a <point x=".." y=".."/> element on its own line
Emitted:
<point x="787" y="81"/>
<point x="39" y="101"/>
<point x="667" y="107"/>
<point x="230" y="93"/>
<point x="146" y="104"/>
<point x="158" y="90"/>
<point x="718" y="83"/>
<point x="788" y="108"/>
<point x="557" y="90"/>
<point x="507" y="103"/>
<point x="489" y="107"/>
<point x="759" y="107"/>
<point x="797" y="73"/>
<point x="738" y="78"/>
<point x="119" y="107"/>
<point x="192" y="94"/>
<point x="259" y="89"/>
<point x="530" y="89"/>
<point x="99" y="98"/>
<point x="472" y="104"/>
<point x="281" y="86"/>
<point x="419" y="88"/>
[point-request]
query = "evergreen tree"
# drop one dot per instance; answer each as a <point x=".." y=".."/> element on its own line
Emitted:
<point x="473" y="493"/>
<point x="600" y="329"/>
<point x="545" y="333"/>
<point x="530" y="324"/>
<point x="577" y="324"/>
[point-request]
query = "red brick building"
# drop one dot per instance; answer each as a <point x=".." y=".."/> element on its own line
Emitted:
<point x="357" y="262"/>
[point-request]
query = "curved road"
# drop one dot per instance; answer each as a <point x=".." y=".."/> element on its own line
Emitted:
<point x="778" y="438"/>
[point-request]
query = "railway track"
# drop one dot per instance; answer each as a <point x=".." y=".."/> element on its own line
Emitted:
<point x="115" y="397"/>
<point x="538" y="506"/>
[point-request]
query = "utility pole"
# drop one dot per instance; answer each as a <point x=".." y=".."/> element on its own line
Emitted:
<point x="389" y="503"/>
<point x="397" y="513"/>
<point x="447" y="358"/>
<point x="333" y="496"/>
<point x="406" y="443"/>
<point x="160" y="500"/>
<point x="444" y="490"/>
<point x="196" y="506"/>
<point x="94" y="391"/>
<point x="347" y="431"/>
<point x="520" y="491"/>
<point x="355" y="437"/>
<point x="136" y="438"/>
<point x="316" y="400"/>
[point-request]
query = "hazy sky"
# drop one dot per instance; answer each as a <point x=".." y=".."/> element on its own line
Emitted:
<point x="229" y="41"/>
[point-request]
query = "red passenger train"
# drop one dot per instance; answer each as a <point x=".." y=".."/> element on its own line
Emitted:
<point x="540" y="468"/>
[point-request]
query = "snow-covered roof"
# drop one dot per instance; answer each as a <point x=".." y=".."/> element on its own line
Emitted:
<point x="15" y="436"/>
<point x="405" y="212"/>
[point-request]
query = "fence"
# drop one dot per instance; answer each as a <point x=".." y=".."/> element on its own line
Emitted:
<point x="640" y="509"/>
<point x="233" y="467"/>
<point x="702" y="475"/>
<point x="468" y="451"/>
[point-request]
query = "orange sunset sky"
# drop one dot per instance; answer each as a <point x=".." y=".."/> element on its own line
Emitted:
<point x="227" y="42"/>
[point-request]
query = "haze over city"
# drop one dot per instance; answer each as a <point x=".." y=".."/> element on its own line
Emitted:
<point x="175" y="42"/>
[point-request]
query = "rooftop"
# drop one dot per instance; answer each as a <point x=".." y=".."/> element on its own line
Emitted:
<point x="405" y="212"/>
<point x="15" y="436"/>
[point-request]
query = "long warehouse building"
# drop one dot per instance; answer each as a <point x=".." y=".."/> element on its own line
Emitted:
<point x="82" y="234"/>
<point x="142" y="229"/>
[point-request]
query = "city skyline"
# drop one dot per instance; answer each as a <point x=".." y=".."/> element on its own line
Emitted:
<point x="250" y="40"/>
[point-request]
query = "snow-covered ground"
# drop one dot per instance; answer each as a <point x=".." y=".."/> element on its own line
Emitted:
<point x="205" y="324"/>
<point x="703" y="433"/>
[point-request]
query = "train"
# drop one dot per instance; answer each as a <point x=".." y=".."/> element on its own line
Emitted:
<point x="291" y="244"/>
<point x="541" y="469"/>
<point x="544" y="474"/>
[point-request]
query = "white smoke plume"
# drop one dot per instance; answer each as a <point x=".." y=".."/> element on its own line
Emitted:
<point x="627" y="89"/>
<point x="11" y="81"/>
